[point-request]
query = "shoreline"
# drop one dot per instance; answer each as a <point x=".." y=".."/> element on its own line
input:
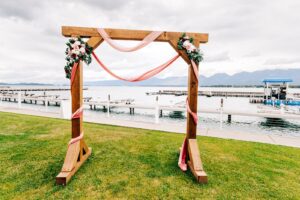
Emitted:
<point x="224" y="134"/>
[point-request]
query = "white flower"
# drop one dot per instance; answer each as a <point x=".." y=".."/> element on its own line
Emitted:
<point x="186" y="37"/>
<point x="75" y="47"/>
<point x="77" y="43"/>
<point x="74" y="38"/>
<point x="188" y="46"/>
<point x="186" y="43"/>
<point x="82" y="50"/>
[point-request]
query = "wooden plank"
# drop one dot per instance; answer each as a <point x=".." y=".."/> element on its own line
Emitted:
<point x="182" y="53"/>
<point x="200" y="176"/>
<point x="71" y="157"/>
<point x="125" y="34"/>
<point x="77" y="100"/>
<point x="64" y="177"/>
<point x="94" y="42"/>
<point x="194" y="155"/>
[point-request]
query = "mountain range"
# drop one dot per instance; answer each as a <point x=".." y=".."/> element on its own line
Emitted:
<point x="221" y="79"/>
<point x="238" y="79"/>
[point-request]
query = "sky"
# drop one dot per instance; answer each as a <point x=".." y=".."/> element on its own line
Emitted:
<point x="244" y="35"/>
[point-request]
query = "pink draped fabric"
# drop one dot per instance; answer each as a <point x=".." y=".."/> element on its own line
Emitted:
<point x="142" y="77"/>
<point x="195" y="69"/>
<point x="74" y="140"/>
<point x="194" y="115"/>
<point x="78" y="113"/>
<point x="148" y="39"/>
<point x="182" y="157"/>
<point x="73" y="72"/>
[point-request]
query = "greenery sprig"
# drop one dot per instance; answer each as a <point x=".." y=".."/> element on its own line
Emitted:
<point x="77" y="50"/>
<point x="187" y="43"/>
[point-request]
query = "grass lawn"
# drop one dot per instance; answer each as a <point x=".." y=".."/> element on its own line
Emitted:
<point x="129" y="163"/>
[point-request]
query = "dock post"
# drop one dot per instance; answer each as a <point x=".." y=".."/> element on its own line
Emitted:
<point x="221" y="114"/>
<point x="108" y="105"/>
<point x="46" y="104"/>
<point x="229" y="119"/>
<point x="156" y="111"/>
<point x="19" y="99"/>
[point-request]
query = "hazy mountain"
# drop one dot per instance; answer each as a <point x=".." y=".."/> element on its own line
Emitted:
<point x="242" y="78"/>
<point x="239" y="79"/>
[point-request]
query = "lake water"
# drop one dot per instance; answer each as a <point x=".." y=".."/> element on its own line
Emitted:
<point x="210" y="121"/>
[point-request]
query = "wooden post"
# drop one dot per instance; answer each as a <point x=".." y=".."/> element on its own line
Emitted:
<point x="78" y="152"/>
<point x="77" y="100"/>
<point x="191" y="130"/>
<point x="194" y="163"/>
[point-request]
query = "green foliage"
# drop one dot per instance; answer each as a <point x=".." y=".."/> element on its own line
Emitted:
<point x="129" y="163"/>
<point x="195" y="54"/>
<point x="73" y="58"/>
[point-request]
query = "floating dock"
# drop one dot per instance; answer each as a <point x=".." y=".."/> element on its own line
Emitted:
<point x="248" y="94"/>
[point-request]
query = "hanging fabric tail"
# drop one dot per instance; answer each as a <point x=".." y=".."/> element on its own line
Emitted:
<point x="195" y="70"/>
<point x="142" y="77"/>
<point x="73" y="72"/>
<point x="182" y="157"/>
<point x="148" y="39"/>
<point x="194" y="115"/>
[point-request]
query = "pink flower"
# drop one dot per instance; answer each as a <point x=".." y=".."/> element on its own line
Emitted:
<point x="189" y="46"/>
<point x="82" y="50"/>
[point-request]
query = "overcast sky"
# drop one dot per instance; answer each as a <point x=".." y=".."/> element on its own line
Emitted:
<point x="244" y="35"/>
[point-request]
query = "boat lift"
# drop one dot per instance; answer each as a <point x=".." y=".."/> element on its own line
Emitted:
<point x="275" y="92"/>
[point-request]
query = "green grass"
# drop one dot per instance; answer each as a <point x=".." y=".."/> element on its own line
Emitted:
<point x="129" y="163"/>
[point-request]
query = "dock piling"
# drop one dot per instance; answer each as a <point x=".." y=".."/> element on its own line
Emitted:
<point x="156" y="111"/>
<point x="108" y="102"/>
<point x="19" y="99"/>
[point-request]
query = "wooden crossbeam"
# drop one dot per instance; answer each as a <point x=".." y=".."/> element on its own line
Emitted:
<point x="125" y="34"/>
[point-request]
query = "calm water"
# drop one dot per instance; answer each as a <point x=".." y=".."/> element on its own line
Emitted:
<point x="210" y="121"/>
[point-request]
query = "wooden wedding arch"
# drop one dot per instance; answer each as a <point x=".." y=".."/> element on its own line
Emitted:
<point x="78" y="152"/>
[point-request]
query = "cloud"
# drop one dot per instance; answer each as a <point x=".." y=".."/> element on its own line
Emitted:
<point x="282" y="61"/>
<point x="247" y="35"/>
<point x="223" y="56"/>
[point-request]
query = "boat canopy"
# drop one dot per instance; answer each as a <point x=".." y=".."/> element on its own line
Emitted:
<point x="277" y="80"/>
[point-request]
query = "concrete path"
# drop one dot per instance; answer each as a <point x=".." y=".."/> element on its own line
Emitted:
<point x="262" y="138"/>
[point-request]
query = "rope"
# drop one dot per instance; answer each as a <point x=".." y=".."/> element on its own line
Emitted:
<point x="148" y="39"/>
<point x="194" y="115"/>
<point x="142" y="77"/>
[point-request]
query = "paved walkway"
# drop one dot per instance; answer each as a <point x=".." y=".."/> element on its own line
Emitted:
<point x="262" y="138"/>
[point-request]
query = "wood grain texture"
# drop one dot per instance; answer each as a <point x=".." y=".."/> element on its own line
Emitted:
<point x="77" y="100"/>
<point x="125" y="34"/>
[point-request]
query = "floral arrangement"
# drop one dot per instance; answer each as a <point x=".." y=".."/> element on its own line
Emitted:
<point x="77" y="49"/>
<point x="187" y="43"/>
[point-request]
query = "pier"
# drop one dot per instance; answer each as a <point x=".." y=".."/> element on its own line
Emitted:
<point x="49" y="100"/>
<point x="214" y="93"/>
<point x="159" y="109"/>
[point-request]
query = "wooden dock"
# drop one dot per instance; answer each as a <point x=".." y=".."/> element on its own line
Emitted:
<point x="5" y="90"/>
<point x="248" y="94"/>
<point x="50" y="100"/>
<point x="159" y="109"/>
